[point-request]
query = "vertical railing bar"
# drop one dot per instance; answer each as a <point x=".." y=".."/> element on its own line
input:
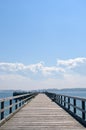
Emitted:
<point x="61" y="100"/>
<point x="2" y="107"/>
<point x="20" y="102"/>
<point x="68" y="103"/>
<point x="16" y="106"/>
<point x="74" y="105"/>
<point x="83" y="108"/>
<point x="10" y="109"/>
<point x="64" y="101"/>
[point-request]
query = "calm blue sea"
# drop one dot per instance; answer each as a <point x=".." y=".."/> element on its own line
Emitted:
<point x="4" y="94"/>
<point x="79" y="93"/>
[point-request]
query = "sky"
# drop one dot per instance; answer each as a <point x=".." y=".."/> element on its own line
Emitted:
<point x="42" y="44"/>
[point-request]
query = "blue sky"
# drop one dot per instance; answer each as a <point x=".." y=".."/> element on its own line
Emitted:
<point x="47" y="34"/>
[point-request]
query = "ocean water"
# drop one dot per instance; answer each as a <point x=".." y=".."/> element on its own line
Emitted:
<point x="4" y="94"/>
<point x="76" y="93"/>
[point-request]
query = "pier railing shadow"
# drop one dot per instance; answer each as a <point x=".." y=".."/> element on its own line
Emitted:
<point x="9" y="106"/>
<point x="75" y="106"/>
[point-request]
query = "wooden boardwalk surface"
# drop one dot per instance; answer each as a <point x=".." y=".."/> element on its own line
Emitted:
<point x="42" y="114"/>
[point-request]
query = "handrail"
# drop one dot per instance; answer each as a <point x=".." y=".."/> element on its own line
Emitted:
<point x="9" y="98"/>
<point x="76" y="97"/>
<point x="12" y="104"/>
<point x="69" y="103"/>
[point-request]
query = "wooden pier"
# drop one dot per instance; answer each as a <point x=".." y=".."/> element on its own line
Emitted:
<point x="42" y="114"/>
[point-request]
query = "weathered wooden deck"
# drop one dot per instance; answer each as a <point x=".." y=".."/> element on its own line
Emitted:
<point x="42" y="114"/>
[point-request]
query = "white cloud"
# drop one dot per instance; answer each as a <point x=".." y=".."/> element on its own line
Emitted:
<point x="11" y="67"/>
<point x="71" y="63"/>
<point x="52" y="70"/>
<point x="66" y="74"/>
<point x="34" y="68"/>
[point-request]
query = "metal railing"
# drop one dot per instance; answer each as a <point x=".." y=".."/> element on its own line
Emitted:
<point x="75" y="106"/>
<point x="10" y="105"/>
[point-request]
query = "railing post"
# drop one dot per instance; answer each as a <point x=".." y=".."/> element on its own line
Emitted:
<point x="16" y="106"/>
<point x="61" y="100"/>
<point x="74" y="105"/>
<point x="64" y="101"/>
<point x="57" y="98"/>
<point x="20" y="102"/>
<point x="10" y="109"/>
<point x="83" y="108"/>
<point x="2" y="107"/>
<point x="68" y="103"/>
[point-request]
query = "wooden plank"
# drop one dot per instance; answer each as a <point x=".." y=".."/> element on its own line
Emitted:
<point x="42" y="114"/>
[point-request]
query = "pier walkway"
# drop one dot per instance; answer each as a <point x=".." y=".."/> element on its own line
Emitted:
<point x="42" y="114"/>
